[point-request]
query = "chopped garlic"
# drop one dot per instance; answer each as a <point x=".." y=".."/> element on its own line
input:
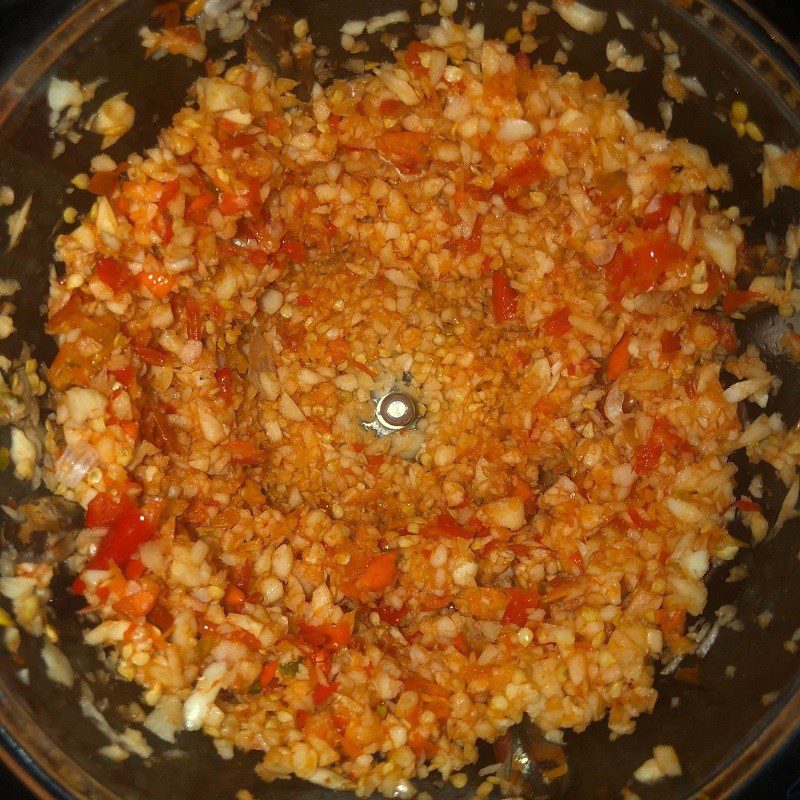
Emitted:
<point x="84" y="404"/>
<point x="198" y="704"/>
<point x="508" y="513"/>
<point x="625" y="22"/>
<point x="515" y="130"/>
<point x="16" y="223"/>
<point x="62" y="94"/>
<point x="580" y="16"/>
<point x="401" y="87"/>
<point x="8" y="287"/>
<point x="113" y="119"/>
<point x="619" y="58"/>
<point x="667" y="760"/>
<point x="23" y="454"/>
<point x="58" y="667"/>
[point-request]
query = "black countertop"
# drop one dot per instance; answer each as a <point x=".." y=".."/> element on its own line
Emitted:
<point x="22" y="22"/>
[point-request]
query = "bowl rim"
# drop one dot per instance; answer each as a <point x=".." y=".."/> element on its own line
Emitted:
<point x="752" y="25"/>
<point x="37" y="780"/>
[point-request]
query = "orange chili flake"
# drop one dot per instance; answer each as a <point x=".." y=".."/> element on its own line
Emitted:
<point x="196" y="512"/>
<point x="294" y="251"/>
<point x="234" y="599"/>
<point x="736" y="298"/>
<point x="662" y="438"/>
<point x="391" y="107"/>
<point x="557" y="324"/>
<point x="268" y="673"/>
<point x="446" y="526"/>
<point x="150" y="355"/>
<point x="258" y="257"/>
<point x="193" y="322"/>
<point x="197" y="210"/>
<point x="104" y="182"/>
<point x="390" y="615"/>
<point x="672" y="621"/>
<point x="319" y="423"/>
<point x="413" y="52"/>
<point x="526" y="173"/>
<point x="321" y="693"/>
<point x="125" y="375"/>
<point x="522" y="490"/>
<point x="659" y="211"/>
<point x="638" y="520"/>
<point x="460" y="643"/>
<point x="646" y="457"/>
<point x="274" y="125"/>
<point x="363" y="368"/>
<point x="504" y="297"/>
<point x="134" y="569"/>
<point x="160" y="617"/>
<point x="380" y="573"/>
<point x="136" y="605"/>
<point x="619" y="358"/>
<point x="170" y="13"/>
<point x="670" y="342"/>
<point x="168" y="193"/>
<point x="230" y="203"/>
<point x="374" y="462"/>
<point x="157" y="430"/>
<point x="187" y="310"/>
<point x="113" y="273"/>
<point x="244" y="452"/>
<point x="156" y="283"/>
<point x="245" y="637"/>
<point x="642" y="269"/>
<point x="339" y="350"/>
<point x="224" y="378"/>
<point x="520" y="602"/>
<point x="328" y="635"/>
<point x="406" y="148"/>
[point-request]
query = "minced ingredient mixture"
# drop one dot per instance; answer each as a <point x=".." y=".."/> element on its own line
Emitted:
<point x="509" y="248"/>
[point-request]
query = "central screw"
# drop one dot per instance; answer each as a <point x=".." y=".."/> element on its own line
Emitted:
<point x="396" y="410"/>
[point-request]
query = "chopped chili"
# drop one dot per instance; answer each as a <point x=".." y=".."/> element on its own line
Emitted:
<point x="504" y="297"/>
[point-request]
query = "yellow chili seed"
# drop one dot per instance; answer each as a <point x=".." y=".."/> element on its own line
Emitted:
<point x="194" y="8"/>
<point x="754" y="132"/>
<point x="739" y="112"/>
<point x="459" y="780"/>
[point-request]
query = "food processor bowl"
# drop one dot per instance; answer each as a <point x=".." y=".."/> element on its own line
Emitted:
<point x="746" y="700"/>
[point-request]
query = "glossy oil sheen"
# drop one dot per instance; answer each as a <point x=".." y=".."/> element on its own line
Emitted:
<point x="720" y="728"/>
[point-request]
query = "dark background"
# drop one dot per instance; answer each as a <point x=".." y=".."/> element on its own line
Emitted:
<point x="22" y="23"/>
